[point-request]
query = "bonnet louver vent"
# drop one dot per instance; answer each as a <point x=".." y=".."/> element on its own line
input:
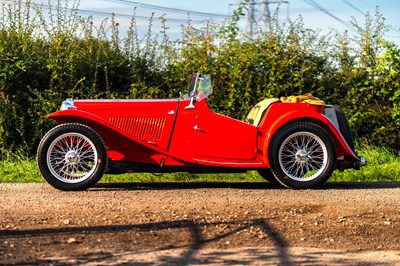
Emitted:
<point x="140" y="126"/>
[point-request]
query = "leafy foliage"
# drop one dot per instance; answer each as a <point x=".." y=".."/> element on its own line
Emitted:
<point x="45" y="60"/>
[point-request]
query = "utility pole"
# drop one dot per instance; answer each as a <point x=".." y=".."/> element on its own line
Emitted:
<point x="259" y="14"/>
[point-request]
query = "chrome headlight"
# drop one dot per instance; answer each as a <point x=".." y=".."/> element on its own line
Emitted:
<point x="68" y="104"/>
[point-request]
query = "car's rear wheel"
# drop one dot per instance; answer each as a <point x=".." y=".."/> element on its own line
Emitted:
<point x="302" y="155"/>
<point x="72" y="157"/>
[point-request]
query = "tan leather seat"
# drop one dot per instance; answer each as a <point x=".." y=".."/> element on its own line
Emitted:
<point x="257" y="112"/>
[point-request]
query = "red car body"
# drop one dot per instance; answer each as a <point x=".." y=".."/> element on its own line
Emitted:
<point x="186" y="135"/>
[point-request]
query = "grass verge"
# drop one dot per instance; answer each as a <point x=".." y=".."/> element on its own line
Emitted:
<point x="382" y="165"/>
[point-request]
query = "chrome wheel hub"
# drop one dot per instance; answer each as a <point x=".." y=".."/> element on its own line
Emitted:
<point x="72" y="157"/>
<point x="302" y="156"/>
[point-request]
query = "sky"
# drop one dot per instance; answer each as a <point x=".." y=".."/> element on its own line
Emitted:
<point x="320" y="15"/>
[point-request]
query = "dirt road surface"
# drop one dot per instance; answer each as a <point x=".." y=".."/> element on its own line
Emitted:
<point x="200" y="223"/>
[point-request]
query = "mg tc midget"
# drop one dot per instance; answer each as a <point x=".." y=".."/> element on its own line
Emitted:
<point x="296" y="141"/>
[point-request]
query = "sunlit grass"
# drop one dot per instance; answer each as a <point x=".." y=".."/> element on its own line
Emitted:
<point x="19" y="169"/>
<point x="382" y="165"/>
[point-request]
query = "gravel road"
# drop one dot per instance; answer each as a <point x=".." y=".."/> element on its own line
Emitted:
<point x="200" y="223"/>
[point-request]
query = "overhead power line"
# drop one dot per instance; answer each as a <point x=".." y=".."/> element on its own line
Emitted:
<point x="322" y="9"/>
<point x="354" y="7"/>
<point x="94" y="12"/>
<point x="169" y="9"/>
<point x="102" y="13"/>
<point x="360" y="11"/>
<point x="319" y="7"/>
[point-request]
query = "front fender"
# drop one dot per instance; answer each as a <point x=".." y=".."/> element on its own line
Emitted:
<point x="68" y="116"/>
<point x="342" y="148"/>
<point x="102" y="126"/>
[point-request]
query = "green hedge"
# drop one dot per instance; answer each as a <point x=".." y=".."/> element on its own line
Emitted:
<point x="43" y="61"/>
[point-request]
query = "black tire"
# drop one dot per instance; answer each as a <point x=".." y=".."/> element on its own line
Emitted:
<point x="302" y="155"/>
<point x="72" y="157"/>
<point x="344" y="126"/>
<point x="268" y="175"/>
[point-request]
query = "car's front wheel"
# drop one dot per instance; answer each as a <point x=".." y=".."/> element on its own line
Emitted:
<point x="302" y="155"/>
<point x="72" y="157"/>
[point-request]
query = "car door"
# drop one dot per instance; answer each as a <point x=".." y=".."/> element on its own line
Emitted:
<point x="222" y="138"/>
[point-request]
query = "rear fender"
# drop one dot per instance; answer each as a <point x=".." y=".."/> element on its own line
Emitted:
<point x="342" y="148"/>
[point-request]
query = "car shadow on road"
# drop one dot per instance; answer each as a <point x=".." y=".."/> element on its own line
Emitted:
<point x="195" y="250"/>
<point x="188" y="253"/>
<point x="238" y="185"/>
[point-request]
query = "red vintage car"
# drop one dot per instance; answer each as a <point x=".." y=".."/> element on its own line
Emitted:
<point x="296" y="141"/>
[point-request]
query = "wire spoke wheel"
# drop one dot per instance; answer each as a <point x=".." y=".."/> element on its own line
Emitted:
<point x="72" y="157"/>
<point x="302" y="155"/>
